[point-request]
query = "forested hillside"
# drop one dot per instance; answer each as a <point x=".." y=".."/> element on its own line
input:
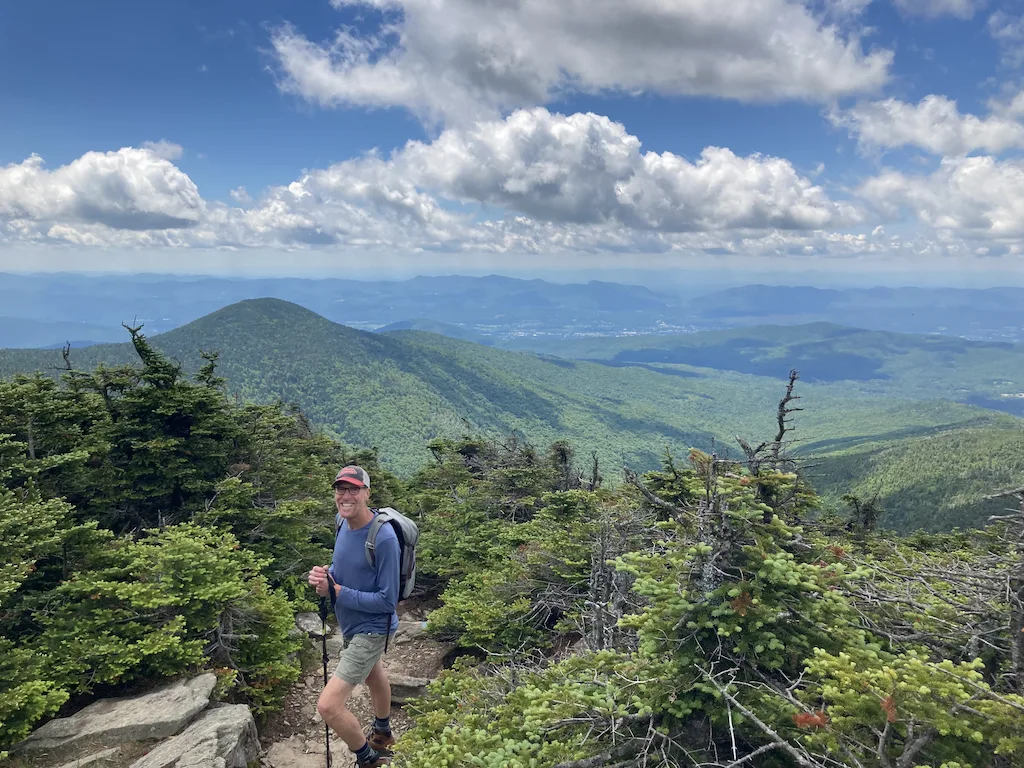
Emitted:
<point x="707" y="612"/>
<point x="397" y="391"/>
<point x="924" y="478"/>
<point x="936" y="482"/>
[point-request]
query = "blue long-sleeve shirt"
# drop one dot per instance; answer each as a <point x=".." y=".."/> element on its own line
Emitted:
<point x="367" y="597"/>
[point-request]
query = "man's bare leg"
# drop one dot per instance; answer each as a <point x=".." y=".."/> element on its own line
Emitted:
<point x="380" y="690"/>
<point x="333" y="708"/>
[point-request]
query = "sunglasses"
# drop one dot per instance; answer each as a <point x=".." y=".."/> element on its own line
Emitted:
<point x="342" y="490"/>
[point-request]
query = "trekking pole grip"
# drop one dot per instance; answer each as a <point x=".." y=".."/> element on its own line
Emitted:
<point x="330" y="591"/>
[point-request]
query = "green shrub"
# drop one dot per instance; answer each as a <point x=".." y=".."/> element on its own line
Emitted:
<point x="27" y="692"/>
<point x="169" y="603"/>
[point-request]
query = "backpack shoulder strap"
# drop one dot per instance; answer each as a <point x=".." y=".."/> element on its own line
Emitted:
<point x="380" y="517"/>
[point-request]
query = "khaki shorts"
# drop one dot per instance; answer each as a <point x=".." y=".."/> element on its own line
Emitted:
<point x="358" y="655"/>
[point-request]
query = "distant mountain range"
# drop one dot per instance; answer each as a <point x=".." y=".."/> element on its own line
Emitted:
<point x="19" y="332"/>
<point x="399" y="389"/>
<point x="991" y="314"/>
<point x="43" y="310"/>
<point x="491" y="305"/>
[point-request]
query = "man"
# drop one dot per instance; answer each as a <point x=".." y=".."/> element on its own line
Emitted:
<point x="366" y="601"/>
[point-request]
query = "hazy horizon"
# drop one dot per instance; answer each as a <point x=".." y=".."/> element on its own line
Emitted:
<point x="652" y="278"/>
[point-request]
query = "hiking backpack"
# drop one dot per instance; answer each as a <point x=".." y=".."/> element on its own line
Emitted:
<point x="408" y="534"/>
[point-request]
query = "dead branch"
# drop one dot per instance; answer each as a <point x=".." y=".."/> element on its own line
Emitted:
<point x="802" y="758"/>
<point x="603" y="760"/>
<point x="746" y="759"/>
<point x="1004" y="494"/>
<point x="632" y="479"/>
<point x="783" y="413"/>
<point x="598" y="761"/>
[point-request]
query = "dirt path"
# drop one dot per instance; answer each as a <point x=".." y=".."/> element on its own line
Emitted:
<point x="294" y="736"/>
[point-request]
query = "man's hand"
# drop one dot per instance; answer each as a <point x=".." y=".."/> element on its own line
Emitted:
<point x="318" y="579"/>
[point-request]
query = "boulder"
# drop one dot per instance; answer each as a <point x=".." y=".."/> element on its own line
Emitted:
<point x="310" y="624"/>
<point x="409" y="630"/>
<point x="404" y="687"/>
<point x="224" y="737"/>
<point x="110" y="722"/>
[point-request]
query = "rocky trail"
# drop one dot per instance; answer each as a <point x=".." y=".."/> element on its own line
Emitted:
<point x="176" y="725"/>
<point x="294" y="737"/>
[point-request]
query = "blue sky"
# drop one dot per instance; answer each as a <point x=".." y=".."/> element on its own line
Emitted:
<point x="848" y="136"/>
<point x="194" y="73"/>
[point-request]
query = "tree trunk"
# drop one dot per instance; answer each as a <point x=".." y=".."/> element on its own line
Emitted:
<point x="31" y="440"/>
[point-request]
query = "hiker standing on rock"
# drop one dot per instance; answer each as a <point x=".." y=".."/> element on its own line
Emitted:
<point x="365" y="600"/>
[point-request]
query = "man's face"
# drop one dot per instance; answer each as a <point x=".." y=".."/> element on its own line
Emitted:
<point x="350" y="499"/>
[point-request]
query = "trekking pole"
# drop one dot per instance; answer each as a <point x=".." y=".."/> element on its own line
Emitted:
<point x="326" y="602"/>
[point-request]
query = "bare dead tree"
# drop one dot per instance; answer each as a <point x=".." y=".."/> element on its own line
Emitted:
<point x="962" y="605"/>
<point x="609" y="595"/>
<point x="1015" y="582"/>
<point x="784" y="421"/>
<point x="634" y="741"/>
<point x="569" y="476"/>
<point x="773" y="455"/>
<point x="595" y="476"/>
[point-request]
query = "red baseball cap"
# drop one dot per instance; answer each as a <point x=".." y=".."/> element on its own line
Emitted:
<point x="353" y="475"/>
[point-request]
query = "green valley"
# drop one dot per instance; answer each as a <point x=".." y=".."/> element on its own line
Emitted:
<point x="990" y="374"/>
<point x="399" y="390"/>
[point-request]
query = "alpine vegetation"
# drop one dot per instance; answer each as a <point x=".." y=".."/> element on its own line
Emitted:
<point x="707" y="613"/>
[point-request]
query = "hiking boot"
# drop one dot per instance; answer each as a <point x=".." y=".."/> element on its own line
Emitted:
<point x="375" y="762"/>
<point x="381" y="742"/>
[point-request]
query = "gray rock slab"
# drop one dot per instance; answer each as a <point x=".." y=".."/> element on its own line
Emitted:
<point x="110" y="722"/>
<point x="318" y="747"/>
<point x="404" y="687"/>
<point x="291" y="753"/>
<point x="224" y="737"/>
<point x="106" y="757"/>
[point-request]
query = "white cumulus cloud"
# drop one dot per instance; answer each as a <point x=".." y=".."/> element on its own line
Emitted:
<point x="967" y="196"/>
<point x="584" y="169"/>
<point x="533" y="181"/>
<point x="934" y="124"/>
<point x="131" y="189"/>
<point x="455" y="59"/>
